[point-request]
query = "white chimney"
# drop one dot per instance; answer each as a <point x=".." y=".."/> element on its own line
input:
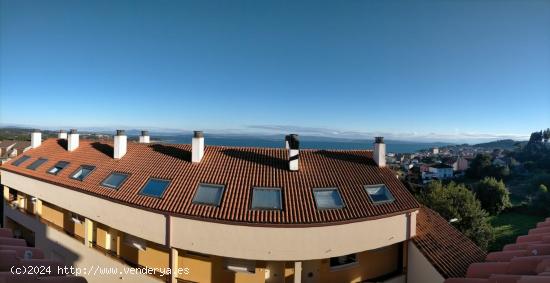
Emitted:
<point x="62" y="135"/>
<point x="293" y="152"/>
<point x="36" y="138"/>
<point x="287" y="138"/>
<point x="72" y="140"/>
<point x="197" y="150"/>
<point x="120" y="144"/>
<point x="379" y="154"/>
<point x="144" y="137"/>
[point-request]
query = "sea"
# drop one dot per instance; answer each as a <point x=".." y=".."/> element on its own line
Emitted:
<point x="305" y="142"/>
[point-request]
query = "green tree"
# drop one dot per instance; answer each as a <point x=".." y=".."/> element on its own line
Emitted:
<point x="493" y="195"/>
<point x="546" y="135"/>
<point x="455" y="201"/>
<point x="480" y="166"/>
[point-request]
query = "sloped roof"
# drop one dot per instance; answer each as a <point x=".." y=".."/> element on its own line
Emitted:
<point x="447" y="249"/>
<point x="526" y="261"/>
<point x="239" y="169"/>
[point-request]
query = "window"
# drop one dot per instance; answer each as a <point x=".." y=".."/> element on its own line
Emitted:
<point x="328" y="198"/>
<point x="208" y="194"/>
<point x="58" y="167"/>
<point x="266" y="198"/>
<point x="379" y="193"/>
<point x="155" y="187"/>
<point x="114" y="180"/>
<point x="77" y="218"/>
<point x="341" y="261"/>
<point x="37" y="163"/>
<point x="21" y="160"/>
<point x="83" y="172"/>
<point x="135" y="242"/>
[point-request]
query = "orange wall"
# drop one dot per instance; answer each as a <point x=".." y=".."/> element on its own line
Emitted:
<point x="370" y="264"/>
<point x="52" y="214"/>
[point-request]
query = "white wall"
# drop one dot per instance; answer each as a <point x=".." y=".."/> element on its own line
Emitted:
<point x="272" y="243"/>
<point x="145" y="224"/>
<point x="419" y="269"/>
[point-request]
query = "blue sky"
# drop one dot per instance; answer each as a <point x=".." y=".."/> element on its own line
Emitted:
<point x="439" y="70"/>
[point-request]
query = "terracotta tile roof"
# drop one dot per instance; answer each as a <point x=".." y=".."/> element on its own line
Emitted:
<point x="526" y="261"/>
<point x="448" y="250"/>
<point x="238" y="168"/>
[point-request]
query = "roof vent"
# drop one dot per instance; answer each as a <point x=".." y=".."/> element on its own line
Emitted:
<point x="197" y="150"/>
<point x="379" y="154"/>
<point x="120" y="144"/>
<point x="72" y="140"/>
<point x="62" y="134"/>
<point x="36" y="138"/>
<point x="293" y="152"/>
<point x="144" y="137"/>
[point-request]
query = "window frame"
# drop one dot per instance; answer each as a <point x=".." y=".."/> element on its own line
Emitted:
<point x="121" y="183"/>
<point x="279" y="189"/>
<point x="55" y="166"/>
<point x="387" y="193"/>
<point x="42" y="160"/>
<point x="83" y="166"/>
<point x="337" y="189"/>
<point x="21" y="160"/>
<point x="207" y="203"/>
<point x="154" y="196"/>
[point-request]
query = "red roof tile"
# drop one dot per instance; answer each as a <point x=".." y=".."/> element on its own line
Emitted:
<point x="447" y="249"/>
<point x="238" y="168"/>
<point x="526" y="261"/>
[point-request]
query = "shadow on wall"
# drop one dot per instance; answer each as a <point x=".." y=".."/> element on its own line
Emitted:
<point x="172" y="151"/>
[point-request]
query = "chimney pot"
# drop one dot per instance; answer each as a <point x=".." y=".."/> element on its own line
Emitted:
<point x="120" y="144"/>
<point x="72" y="140"/>
<point x="62" y="134"/>
<point x="144" y="137"/>
<point x="379" y="153"/>
<point x="197" y="146"/>
<point x="293" y="152"/>
<point x="36" y="138"/>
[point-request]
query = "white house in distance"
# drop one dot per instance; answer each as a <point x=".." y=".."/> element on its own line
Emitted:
<point x="438" y="171"/>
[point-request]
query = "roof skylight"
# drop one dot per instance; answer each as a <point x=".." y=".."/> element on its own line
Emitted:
<point x="209" y="194"/>
<point x="58" y="167"/>
<point x="266" y="198"/>
<point x="21" y="160"/>
<point x="328" y="198"/>
<point x="155" y="187"/>
<point x="83" y="172"/>
<point x="379" y="193"/>
<point x="37" y="163"/>
<point x="114" y="180"/>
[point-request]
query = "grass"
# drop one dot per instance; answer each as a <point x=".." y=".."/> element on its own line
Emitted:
<point x="509" y="225"/>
